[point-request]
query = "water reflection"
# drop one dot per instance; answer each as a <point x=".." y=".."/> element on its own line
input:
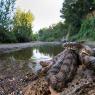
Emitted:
<point x="23" y="54"/>
<point x="31" y="56"/>
<point x="51" y="50"/>
<point x="41" y="52"/>
<point x="37" y="55"/>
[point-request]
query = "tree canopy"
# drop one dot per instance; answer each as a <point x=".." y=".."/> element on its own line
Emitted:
<point x="22" y="25"/>
<point x="75" y="26"/>
<point x="74" y="12"/>
<point x="14" y="26"/>
<point x="53" y="33"/>
<point x="6" y="11"/>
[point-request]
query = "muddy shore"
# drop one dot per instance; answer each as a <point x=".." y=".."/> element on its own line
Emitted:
<point x="14" y="77"/>
<point x="6" y="48"/>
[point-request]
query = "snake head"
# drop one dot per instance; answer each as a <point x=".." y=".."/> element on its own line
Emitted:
<point x="86" y="50"/>
<point x="73" y="45"/>
<point x="80" y="47"/>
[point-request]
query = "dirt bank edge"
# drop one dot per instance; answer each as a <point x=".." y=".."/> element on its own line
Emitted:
<point x="6" y="48"/>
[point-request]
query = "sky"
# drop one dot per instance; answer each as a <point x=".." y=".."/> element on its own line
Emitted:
<point x="46" y="12"/>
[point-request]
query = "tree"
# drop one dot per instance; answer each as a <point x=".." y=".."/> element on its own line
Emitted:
<point x="23" y="25"/>
<point x="87" y="31"/>
<point x="6" y="10"/>
<point x="54" y="33"/>
<point x="74" y="11"/>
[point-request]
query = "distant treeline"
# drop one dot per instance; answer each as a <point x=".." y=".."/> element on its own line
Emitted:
<point x="15" y="26"/>
<point x="79" y="22"/>
<point x="53" y="33"/>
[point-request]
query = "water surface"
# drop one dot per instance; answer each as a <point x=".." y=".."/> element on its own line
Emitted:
<point x="34" y="54"/>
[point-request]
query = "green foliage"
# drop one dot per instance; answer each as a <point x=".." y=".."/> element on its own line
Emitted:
<point x="74" y="11"/>
<point x="17" y="29"/>
<point x="23" y="25"/>
<point x="53" y="33"/>
<point x="35" y="37"/>
<point x="6" y="11"/>
<point x="87" y="31"/>
<point x="6" y="36"/>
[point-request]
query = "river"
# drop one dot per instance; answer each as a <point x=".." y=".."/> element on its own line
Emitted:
<point x="19" y="68"/>
<point x="32" y="55"/>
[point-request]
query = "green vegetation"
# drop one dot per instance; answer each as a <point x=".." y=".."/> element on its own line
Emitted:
<point x="78" y="16"/>
<point x="74" y="12"/>
<point x="14" y="26"/>
<point x="53" y="33"/>
<point x="6" y="10"/>
<point x="35" y="37"/>
<point x="87" y="30"/>
<point x="22" y="26"/>
<point x="77" y="26"/>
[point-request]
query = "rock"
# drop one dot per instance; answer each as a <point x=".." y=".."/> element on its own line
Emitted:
<point x="45" y="63"/>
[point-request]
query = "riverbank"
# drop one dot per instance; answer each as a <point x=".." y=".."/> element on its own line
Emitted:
<point x="6" y="48"/>
<point x="17" y="78"/>
<point x="90" y="43"/>
<point x="14" y="76"/>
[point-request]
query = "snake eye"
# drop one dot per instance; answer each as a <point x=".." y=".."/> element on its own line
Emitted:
<point x="86" y="51"/>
